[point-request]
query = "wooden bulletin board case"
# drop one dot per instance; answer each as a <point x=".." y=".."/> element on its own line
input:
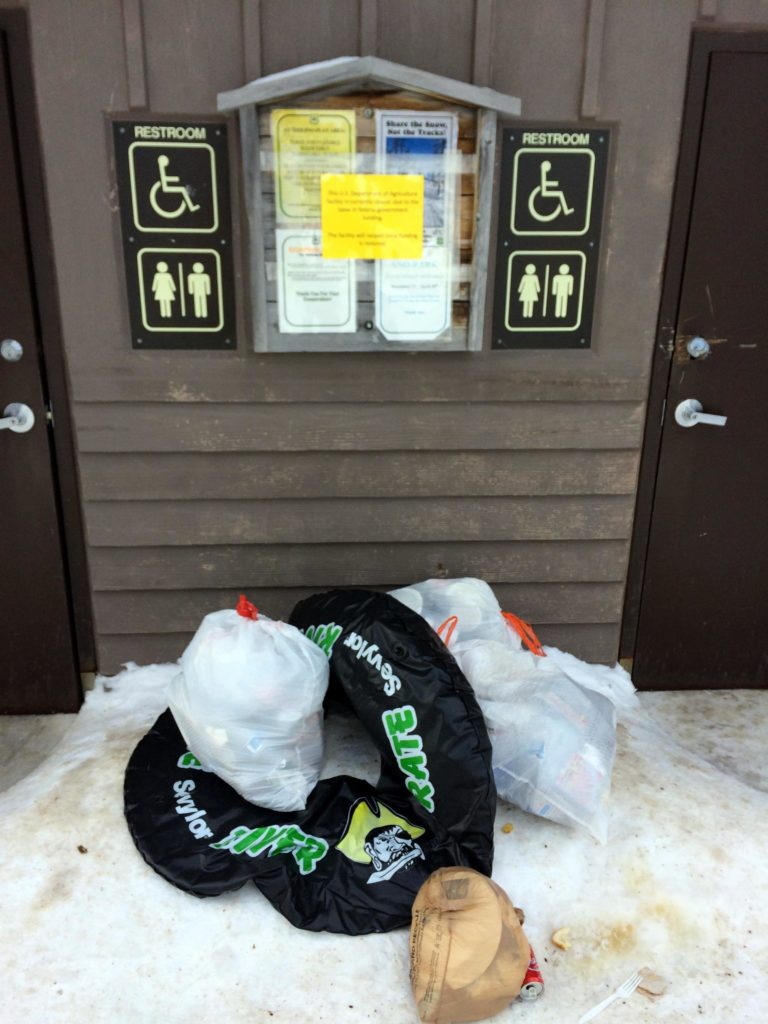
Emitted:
<point x="374" y="305"/>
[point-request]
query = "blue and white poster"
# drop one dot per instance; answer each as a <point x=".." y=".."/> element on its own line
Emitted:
<point x="413" y="297"/>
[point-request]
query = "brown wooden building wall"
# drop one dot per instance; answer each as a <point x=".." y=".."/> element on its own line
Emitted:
<point x="204" y="474"/>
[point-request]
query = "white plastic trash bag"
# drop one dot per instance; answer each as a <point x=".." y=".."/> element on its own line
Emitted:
<point x="459" y="610"/>
<point x="554" y="739"/>
<point x="551" y="718"/>
<point x="248" y="701"/>
<point x="613" y="683"/>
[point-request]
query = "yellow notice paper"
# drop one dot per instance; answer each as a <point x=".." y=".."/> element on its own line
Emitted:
<point x="309" y="143"/>
<point x="372" y="216"/>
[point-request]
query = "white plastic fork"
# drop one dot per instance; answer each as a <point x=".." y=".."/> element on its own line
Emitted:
<point x="624" y="990"/>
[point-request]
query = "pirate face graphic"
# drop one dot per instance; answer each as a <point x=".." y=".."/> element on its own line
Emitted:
<point x="390" y="849"/>
<point x="376" y="835"/>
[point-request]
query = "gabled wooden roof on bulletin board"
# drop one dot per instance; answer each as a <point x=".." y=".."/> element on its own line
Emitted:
<point x="363" y="77"/>
<point x="364" y="72"/>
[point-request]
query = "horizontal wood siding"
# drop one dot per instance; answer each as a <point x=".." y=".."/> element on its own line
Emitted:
<point x="184" y="476"/>
<point x="340" y="520"/>
<point x="281" y="474"/>
<point x="591" y="641"/>
<point x="394" y="377"/>
<point x="173" y="612"/>
<point x="329" y="565"/>
<point x="357" y="426"/>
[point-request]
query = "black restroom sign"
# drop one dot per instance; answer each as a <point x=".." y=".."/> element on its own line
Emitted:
<point x="173" y="181"/>
<point x="550" y="219"/>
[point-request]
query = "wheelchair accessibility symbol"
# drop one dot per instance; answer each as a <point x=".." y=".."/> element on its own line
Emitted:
<point x="173" y="187"/>
<point x="552" y="191"/>
<point x="547" y="190"/>
<point x="171" y="191"/>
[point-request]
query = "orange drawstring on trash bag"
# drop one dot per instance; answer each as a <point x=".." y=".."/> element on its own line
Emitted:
<point x="525" y="631"/>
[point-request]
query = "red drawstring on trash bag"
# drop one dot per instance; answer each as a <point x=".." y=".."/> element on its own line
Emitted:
<point x="246" y="609"/>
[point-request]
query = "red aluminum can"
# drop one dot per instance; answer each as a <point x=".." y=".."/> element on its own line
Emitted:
<point x="533" y="983"/>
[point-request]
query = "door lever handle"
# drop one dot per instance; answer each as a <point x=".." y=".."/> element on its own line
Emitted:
<point x="18" y="418"/>
<point x="690" y="412"/>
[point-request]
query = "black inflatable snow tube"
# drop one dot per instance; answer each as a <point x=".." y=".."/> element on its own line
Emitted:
<point x="353" y="860"/>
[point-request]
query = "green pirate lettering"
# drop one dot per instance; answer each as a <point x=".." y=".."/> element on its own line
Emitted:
<point x="399" y="724"/>
<point x="274" y="839"/>
<point x="188" y="760"/>
<point x="324" y="636"/>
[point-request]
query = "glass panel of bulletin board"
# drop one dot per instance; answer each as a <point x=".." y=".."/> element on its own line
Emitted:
<point x="367" y="218"/>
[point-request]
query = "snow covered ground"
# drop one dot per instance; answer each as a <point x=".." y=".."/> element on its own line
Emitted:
<point x="90" y="933"/>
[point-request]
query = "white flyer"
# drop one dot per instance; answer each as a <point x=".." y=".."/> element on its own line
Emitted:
<point x="314" y="295"/>
<point x="413" y="297"/>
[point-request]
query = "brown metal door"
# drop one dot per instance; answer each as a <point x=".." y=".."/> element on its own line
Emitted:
<point x="704" y="610"/>
<point x="37" y="659"/>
